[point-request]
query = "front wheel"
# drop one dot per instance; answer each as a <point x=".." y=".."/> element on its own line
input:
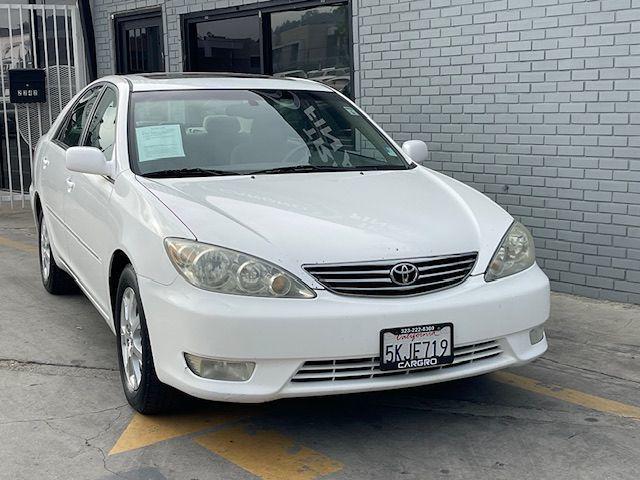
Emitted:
<point x="144" y="391"/>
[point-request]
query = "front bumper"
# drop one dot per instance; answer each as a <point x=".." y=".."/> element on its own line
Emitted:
<point x="280" y="335"/>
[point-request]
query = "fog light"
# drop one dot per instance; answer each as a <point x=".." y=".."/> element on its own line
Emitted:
<point x="220" y="369"/>
<point x="536" y="335"/>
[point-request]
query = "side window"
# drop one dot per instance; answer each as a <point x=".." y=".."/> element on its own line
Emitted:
<point x="76" y="119"/>
<point x="102" y="129"/>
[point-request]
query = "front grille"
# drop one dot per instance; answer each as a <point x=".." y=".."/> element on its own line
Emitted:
<point x="374" y="278"/>
<point x="369" y="367"/>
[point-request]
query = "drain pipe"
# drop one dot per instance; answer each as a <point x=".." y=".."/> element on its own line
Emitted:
<point x="86" y="22"/>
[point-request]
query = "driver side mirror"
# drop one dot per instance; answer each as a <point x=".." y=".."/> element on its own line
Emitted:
<point x="417" y="150"/>
<point x="88" y="160"/>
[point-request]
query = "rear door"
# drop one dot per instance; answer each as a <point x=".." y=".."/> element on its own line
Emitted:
<point x="86" y="205"/>
<point x="53" y="172"/>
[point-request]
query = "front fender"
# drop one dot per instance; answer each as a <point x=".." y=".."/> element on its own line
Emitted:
<point x="144" y="222"/>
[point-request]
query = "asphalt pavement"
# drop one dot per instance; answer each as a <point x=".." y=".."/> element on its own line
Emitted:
<point x="573" y="414"/>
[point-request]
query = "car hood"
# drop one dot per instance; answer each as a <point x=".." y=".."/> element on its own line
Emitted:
<point x="310" y="218"/>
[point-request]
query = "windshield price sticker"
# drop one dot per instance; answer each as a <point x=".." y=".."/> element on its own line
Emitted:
<point x="159" y="141"/>
<point x="416" y="347"/>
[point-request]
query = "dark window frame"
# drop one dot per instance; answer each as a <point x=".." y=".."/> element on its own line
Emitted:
<point x="263" y="11"/>
<point x="120" y="19"/>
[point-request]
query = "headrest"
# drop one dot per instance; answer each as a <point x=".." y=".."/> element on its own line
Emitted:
<point x="246" y="109"/>
<point x="221" y="124"/>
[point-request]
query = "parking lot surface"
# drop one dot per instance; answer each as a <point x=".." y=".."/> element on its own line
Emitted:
<point x="573" y="414"/>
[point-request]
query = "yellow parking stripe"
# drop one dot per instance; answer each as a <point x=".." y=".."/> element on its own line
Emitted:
<point x="143" y="431"/>
<point x="23" y="247"/>
<point x="268" y="454"/>
<point x="586" y="400"/>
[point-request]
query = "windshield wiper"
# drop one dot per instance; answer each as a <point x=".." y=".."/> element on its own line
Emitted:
<point x="302" y="169"/>
<point x="383" y="167"/>
<point x="189" y="172"/>
<point x="327" y="168"/>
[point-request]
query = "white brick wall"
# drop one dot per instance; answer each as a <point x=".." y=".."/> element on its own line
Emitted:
<point x="536" y="103"/>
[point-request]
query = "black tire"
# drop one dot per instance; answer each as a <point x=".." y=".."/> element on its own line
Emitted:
<point x="56" y="281"/>
<point x="151" y="395"/>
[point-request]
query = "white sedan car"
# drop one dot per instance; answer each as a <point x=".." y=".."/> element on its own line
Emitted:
<point x="250" y="238"/>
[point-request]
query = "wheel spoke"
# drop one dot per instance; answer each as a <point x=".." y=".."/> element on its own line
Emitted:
<point x="135" y="321"/>
<point x="131" y="373"/>
<point x="137" y="350"/>
<point x="137" y="372"/>
<point x="126" y="304"/>
<point x="127" y="363"/>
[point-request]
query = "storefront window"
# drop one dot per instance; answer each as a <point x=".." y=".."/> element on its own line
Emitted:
<point x="229" y="45"/>
<point x="312" y="43"/>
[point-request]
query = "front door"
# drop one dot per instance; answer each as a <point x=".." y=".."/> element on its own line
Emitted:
<point x="54" y="173"/>
<point x="86" y="206"/>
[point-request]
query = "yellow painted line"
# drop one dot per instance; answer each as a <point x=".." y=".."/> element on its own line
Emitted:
<point x="143" y="431"/>
<point x="268" y="454"/>
<point x="23" y="247"/>
<point x="576" y="397"/>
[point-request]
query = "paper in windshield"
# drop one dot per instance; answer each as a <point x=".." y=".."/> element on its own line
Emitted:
<point x="159" y="141"/>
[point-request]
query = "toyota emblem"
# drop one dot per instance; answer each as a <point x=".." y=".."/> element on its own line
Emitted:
<point x="404" y="274"/>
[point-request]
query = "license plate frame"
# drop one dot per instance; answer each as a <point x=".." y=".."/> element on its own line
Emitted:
<point x="413" y="335"/>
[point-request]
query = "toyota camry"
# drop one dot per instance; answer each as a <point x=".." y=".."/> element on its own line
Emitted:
<point x="249" y="238"/>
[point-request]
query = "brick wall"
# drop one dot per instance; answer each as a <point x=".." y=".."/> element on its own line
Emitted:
<point x="536" y="103"/>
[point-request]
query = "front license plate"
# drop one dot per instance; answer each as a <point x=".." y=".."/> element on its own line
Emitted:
<point x="416" y="347"/>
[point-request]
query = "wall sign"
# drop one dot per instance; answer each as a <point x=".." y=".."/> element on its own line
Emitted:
<point x="27" y="85"/>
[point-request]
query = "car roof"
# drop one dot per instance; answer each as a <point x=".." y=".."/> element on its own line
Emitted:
<point x="198" y="81"/>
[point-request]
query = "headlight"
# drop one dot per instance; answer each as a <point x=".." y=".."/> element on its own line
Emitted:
<point x="226" y="271"/>
<point x="515" y="253"/>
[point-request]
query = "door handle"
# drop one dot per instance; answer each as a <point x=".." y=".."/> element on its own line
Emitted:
<point x="45" y="163"/>
<point x="70" y="185"/>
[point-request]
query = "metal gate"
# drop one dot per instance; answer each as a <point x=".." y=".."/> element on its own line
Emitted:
<point x="35" y="36"/>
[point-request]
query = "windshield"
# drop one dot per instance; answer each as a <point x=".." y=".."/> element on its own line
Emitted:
<point x="199" y="132"/>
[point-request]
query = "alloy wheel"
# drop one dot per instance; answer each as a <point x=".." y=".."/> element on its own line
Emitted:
<point x="131" y="338"/>
<point x="45" y="251"/>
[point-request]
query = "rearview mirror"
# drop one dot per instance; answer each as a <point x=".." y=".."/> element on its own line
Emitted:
<point x="87" y="160"/>
<point x="417" y="150"/>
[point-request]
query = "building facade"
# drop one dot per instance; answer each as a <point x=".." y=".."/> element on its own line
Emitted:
<point x="536" y="103"/>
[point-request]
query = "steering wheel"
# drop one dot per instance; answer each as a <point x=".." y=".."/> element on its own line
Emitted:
<point x="296" y="150"/>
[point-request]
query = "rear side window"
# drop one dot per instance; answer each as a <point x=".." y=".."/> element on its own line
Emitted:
<point x="77" y="118"/>
<point x="102" y="129"/>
